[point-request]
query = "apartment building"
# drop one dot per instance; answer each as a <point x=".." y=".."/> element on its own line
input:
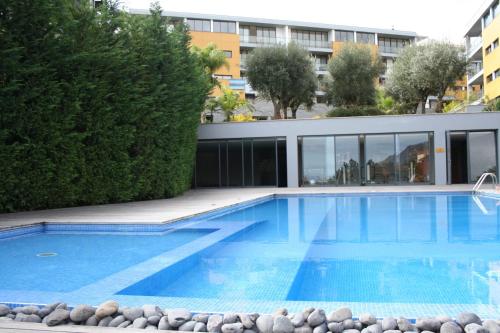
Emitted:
<point x="482" y="44"/>
<point x="238" y="36"/>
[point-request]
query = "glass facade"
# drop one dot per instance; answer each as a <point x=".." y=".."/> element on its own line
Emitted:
<point x="344" y="36"/>
<point x="225" y="26"/>
<point x="482" y="157"/>
<point x="309" y="38"/>
<point x="241" y="162"/>
<point x="366" y="159"/>
<point x="198" y="25"/>
<point x="392" y="45"/>
<point x="364" y="37"/>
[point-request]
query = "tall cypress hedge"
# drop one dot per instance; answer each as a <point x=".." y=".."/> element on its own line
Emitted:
<point x="96" y="106"/>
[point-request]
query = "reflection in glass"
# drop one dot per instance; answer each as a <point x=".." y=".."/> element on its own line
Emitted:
<point x="379" y="159"/>
<point x="235" y="163"/>
<point x="318" y="160"/>
<point x="347" y="160"/>
<point x="414" y="152"/>
<point x="247" y="164"/>
<point x="482" y="154"/>
<point x="264" y="162"/>
<point x="207" y="164"/>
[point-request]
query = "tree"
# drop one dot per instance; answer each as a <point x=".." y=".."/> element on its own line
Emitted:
<point x="424" y="70"/>
<point x="229" y="101"/>
<point x="211" y="59"/>
<point x="282" y="75"/>
<point x="352" y="76"/>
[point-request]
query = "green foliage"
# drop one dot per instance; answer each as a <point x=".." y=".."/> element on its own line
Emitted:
<point x="451" y="106"/>
<point x="424" y="70"/>
<point x="352" y="76"/>
<point x="384" y="102"/>
<point x="229" y="101"/>
<point x="493" y="105"/>
<point x="355" y="111"/>
<point x="96" y="107"/>
<point x="211" y="59"/>
<point x="283" y="75"/>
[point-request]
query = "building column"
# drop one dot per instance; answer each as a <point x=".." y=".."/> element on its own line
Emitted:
<point x="287" y="35"/>
<point x="440" y="158"/>
<point x="292" y="161"/>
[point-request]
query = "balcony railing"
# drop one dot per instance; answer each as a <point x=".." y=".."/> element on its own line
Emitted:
<point x="390" y="49"/>
<point x="475" y="68"/>
<point x="261" y="40"/>
<point x="473" y="44"/>
<point x="321" y="67"/>
<point x="318" y="44"/>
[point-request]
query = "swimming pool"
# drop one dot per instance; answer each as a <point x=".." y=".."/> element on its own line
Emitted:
<point x="393" y="254"/>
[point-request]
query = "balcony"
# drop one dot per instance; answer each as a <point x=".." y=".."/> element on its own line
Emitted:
<point x="321" y="67"/>
<point x="314" y="44"/>
<point x="389" y="49"/>
<point x="255" y="41"/>
<point x="475" y="73"/>
<point x="474" y="47"/>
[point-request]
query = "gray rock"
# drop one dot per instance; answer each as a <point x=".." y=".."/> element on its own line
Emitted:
<point x="303" y="329"/>
<point x="154" y="320"/>
<point x="450" y="327"/>
<point x="307" y="312"/>
<point x="475" y="328"/>
<point x="11" y="316"/>
<point x="61" y="306"/>
<point x="177" y="317"/>
<point x="492" y="326"/>
<point x="229" y="318"/>
<point x="214" y="323"/>
<point x="321" y="328"/>
<point x="281" y="312"/>
<point x="348" y="324"/>
<point x="298" y="319"/>
<point x="126" y="323"/>
<point x="389" y="323"/>
<point x="375" y="328"/>
<point x="5" y="319"/>
<point x="45" y="311"/>
<point x="28" y="318"/>
<point x="200" y="327"/>
<point x="444" y="319"/>
<point x="56" y="317"/>
<point x="150" y="310"/>
<point x="282" y="324"/>
<point x="201" y="317"/>
<point x="392" y="331"/>
<point x="92" y="321"/>
<point x="335" y="327"/>
<point x="188" y="326"/>
<point x="426" y="332"/>
<point x="4" y="310"/>
<point x="466" y="318"/>
<point x="246" y="320"/>
<point x="352" y="330"/>
<point x="264" y="324"/>
<point x="104" y="322"/>
<point x="316" y="318"/>
<point x="107" y="308"/>
<point x="249" y="331"/>
<point x="132" y="313"/>
<point x="232" y="328"/>
<point x="404" y="324"/>
<point x="357" y="325"/>
<point x="428" y="324"/>
<point x="367" y="319"/>
<point x="27" y="310"/>
<point x="340" y="315"/>
<point x="81" y="313"/>
<point x="117" y="321"/>
<point x="163" y="324"/>
<point x="139" y="323"/>
<point x="151" y="328"/>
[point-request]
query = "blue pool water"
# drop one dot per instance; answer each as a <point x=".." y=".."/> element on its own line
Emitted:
<point x="392" y="248"/>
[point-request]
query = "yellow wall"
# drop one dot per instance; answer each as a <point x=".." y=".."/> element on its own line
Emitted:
<point x="226" y="42"/>
<point x="491" y="62"/>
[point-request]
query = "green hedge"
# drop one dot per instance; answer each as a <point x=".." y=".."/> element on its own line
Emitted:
<point x="95" y="107"/>
<point x="355" y="111"/>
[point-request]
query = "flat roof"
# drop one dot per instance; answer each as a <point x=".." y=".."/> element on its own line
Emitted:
<point x="266" y="21"/>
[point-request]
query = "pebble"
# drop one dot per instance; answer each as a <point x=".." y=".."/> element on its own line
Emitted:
<point x="126" y="323"/>
<point x="27" y="310"/>
<point x="230" y="318"/>
<point x="322" y="328"/>
<point x="27" y="318"/>
<point x="104" y="322"/>
<point x="428" y="324"/>
<point x="81" y="313"/>
<point x="316" y="318"/>
<point x="201" y="317"/>
<point x="304" y="329"/>
<point x="367" y="319"/>
<point x="177" y="317"/>
<point x="340" y="315"/>
<point x="187" y="326"/>
<point x="351" y="331"/>
<point x="4" y="310"/>
<point x="492" y="326"/>
<point x="298" y="319"/>
<point x="154" y="320"/>
<point x="163" y="324"/>
<point x="214" y="323"/>
<point x="232" y="328"/>
<point x="140" y="323"/>
<point x="200" y="327"/>
<point x="92" y="321"/>
<point x="475" y="328"/>
<point x="282" y="324"/>
<point x="349" y="324"/>
<point x="133" y="313"/>
<point x="246" y="320"/>
<point x="336" y="327"/>
<point x="389" y="324"/>
<point x="404" y="324"/>
<point x="264" y="324"/>
<point x="466" y="318"/>
<point x="56" y="317"/>
<point x="151" y="310"/>
<point x="117" y="321"/>
<point x="108" y="308"/>
<point x="450" y="327"/>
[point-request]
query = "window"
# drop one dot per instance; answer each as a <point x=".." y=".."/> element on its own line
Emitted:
<point x="366" y="38"/>
<point x="496" y="10"/>
<point x="497" y="73"/>
<point x="495" y="44"/>
<point x="224" y="26"/>
<point x="318" y="160"/>
<point x="228" y="54"/>
<point x="223" y="76"/>
<point x="487" y="19"/>
<point x="489" y="78"/>
<point x="198" y="25"/>
<point x="488" y="50"/>
<point x="344" y="36"/>
<point x="310" y="38"/>
<point x="392" y="45"/>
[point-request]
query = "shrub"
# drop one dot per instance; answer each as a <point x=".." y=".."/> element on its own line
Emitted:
<point x="355" y="111"/>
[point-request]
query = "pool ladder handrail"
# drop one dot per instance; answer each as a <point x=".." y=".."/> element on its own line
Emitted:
<point x="481" y="180"/>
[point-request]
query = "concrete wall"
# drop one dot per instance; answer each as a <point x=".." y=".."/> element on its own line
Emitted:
<point x="291" y="129"/>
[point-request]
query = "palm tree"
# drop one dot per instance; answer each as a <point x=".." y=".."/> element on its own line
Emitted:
<point x="211" y="59"/>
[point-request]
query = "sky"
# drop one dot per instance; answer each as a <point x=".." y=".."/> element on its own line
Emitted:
<point x="437" y="19"/>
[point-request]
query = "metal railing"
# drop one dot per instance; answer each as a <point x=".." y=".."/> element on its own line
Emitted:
<point x="390" y="49"/>
<point x="472" y="45"/>
<point x="321" y="67"/>
<point x="474" y="68"/>
<point x="258" y="40"/>
<point x="319" y="44"/>
<point x="481" y="180"/>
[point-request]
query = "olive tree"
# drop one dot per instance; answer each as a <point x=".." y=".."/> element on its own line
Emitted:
<point x="353" y="72"/>
<point x="283" y="75"/>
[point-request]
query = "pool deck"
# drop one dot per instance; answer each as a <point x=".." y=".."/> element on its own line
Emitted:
<point x="191" y="203"/>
